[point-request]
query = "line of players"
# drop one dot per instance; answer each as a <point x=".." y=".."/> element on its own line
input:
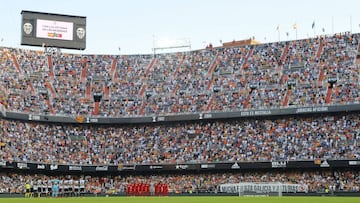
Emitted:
<point x="55" y="188"/>
<point x="146" y="189"/>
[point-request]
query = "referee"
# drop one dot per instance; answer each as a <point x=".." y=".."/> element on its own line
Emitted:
<point x="27" y="189"/>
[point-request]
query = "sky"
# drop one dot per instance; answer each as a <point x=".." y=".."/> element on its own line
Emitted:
<point x="134" y="26"/>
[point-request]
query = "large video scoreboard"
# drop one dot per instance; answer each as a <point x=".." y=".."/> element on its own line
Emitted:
<point x="53" y="30"/>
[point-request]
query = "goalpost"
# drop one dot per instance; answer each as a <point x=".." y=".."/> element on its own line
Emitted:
<point x="262" y="188"/>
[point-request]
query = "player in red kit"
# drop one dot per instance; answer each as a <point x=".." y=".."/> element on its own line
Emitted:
<point x="129" y="188"/>
<point x="147" y="189"/>
<point x="135" y="189"/>
<point x="166" y="190"/>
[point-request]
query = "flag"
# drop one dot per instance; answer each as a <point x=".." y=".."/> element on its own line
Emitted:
<point x="277" y="28"/>
<point x="295" y="26"/>
<point x="79" y="119"/>
<point x="313" y="25"/>
<point x="323" y="29"/>
<point x="2" y="109"/>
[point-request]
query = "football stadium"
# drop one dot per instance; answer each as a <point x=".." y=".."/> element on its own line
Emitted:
<point x="245" y="121"/>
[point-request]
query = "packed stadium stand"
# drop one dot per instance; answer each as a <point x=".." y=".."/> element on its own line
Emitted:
<point x="278" y="112"/>
<point x="289" y="138"/>
<point x="271" y="75"/>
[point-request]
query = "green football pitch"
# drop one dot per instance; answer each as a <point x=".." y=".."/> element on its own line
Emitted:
<point x="185" y="200"/>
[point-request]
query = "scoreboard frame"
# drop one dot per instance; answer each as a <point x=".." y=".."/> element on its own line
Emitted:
<point x="53" y="30"/>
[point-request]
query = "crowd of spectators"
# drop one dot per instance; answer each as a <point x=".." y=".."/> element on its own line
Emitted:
<point x="270" y="75"/>
<point x="186" y="183"/>
<point x="217" y="79"/>
<point x="288" y="138"/>
<point x="336" y="60"/>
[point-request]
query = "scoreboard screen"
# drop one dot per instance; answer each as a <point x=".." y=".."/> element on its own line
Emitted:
<point x="53" y="30"/>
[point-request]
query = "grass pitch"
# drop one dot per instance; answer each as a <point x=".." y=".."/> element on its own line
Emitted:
<point x="185" y="200"/>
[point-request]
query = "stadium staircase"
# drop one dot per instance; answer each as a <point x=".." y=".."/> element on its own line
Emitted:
<point x="30" y="85"/>
<point x="320" y="49"/>
<point x="50" y="65"/>
<point x="178" y="68"/>
<point x="321" y="76"/>
<point x="284" y="77"/>
<point x="113" y="69"/>
<point x="48" y="103"/>
<point x="142" y="108"/>
<point x="245" y="65"/>
<point x="285" y="102"/>
<point x="96" y="108"/>
<point x="357" y="60"/>
<point x="283" y="59"/>
<point x="209" y="106"/>
<point x="88" y="91"/>
<point x="142" y="91"/>
<point x="182" y="59"/>
<point x="83" y="80"/>
<point x="211" y="69"/>
<point x="106" y="92"/>
<point x="16" y="63"/>
<point x="83" y="72"/>
<point x="4" y="58"/>
<point x="283" y="56"/>
<point x="50" y="89"/>
<point x="144" y="85"/>
<point x="150" y="67"/>
<point x="147" y="73"/>
<point x="105" y="96"/>
<point x="116" y="76"/>
<point x="335" y="91"/>
<point x="322" y="71"/>
<point x="247" y="101"/>
<point x="213" y="65"/>
<point x="281" y="67"/>
<point x="328" y="95"/>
